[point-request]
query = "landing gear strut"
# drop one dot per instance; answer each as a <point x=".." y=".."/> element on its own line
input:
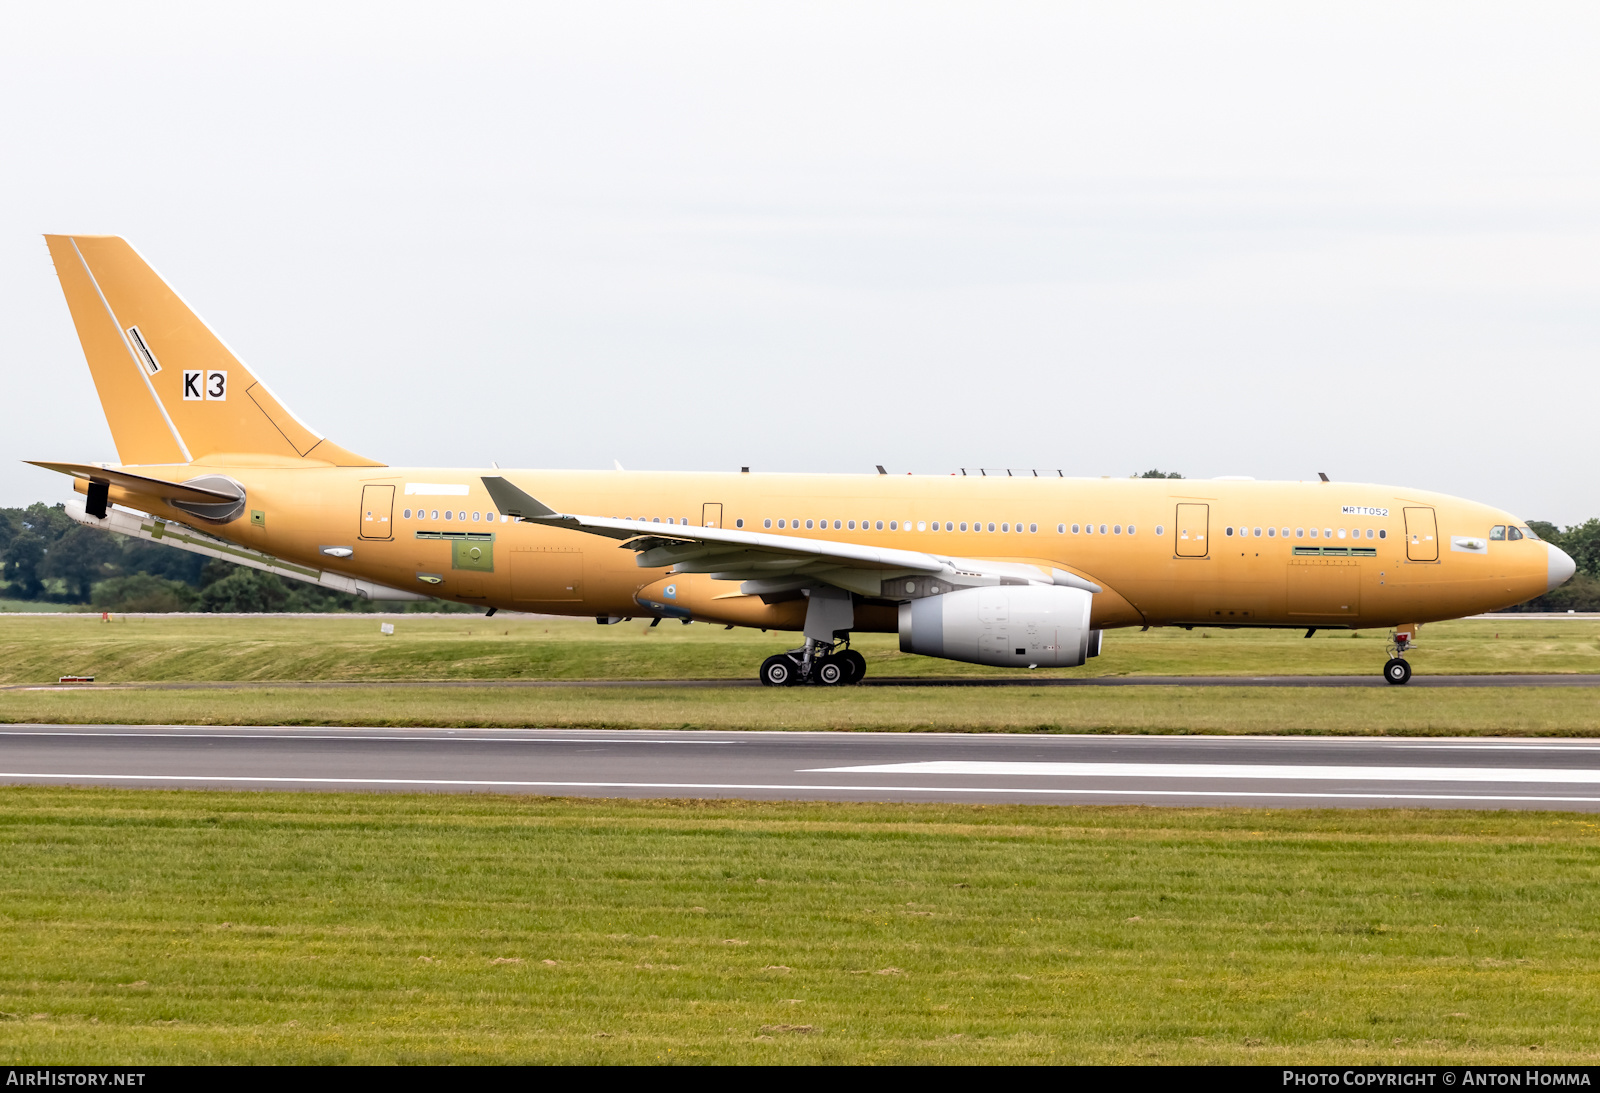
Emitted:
<point x="815" y="662"/>
<point x="1398" y="670"/>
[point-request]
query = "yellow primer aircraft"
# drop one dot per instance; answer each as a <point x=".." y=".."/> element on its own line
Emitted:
<point x="1018" y="569"/>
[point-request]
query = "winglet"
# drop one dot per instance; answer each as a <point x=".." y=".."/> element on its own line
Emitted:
<point x="514" y="502"/>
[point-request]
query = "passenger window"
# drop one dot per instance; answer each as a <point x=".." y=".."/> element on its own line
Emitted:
<point x="1032" y="528"/>
<point x="991" y="527"/>
<point x="1227" y="531"/>
<point x="922" y="525"/>
<point x="1160" y="530"/>
<point x="963" y="525"/>
<point x="1102" y="529"/>
<point x="852" y="525"/>
<point x="808" y="525"/>
<point x="879" y="526"/>
<point x="1271" y="532"/>
<point x="1258" y="533"/>
<point x="1513" y="533"/>
<point x="836" y="525"/>
<point x="1313" y="533"/>
<point x="739" y="523"/>
<point x="1327" y="533"/>
<point x="1383" y="533"/>
<point x="1005" y="527"/>
<point x="436" y="514"/>
<point x="408" y="514"/>
<point x="894" y="525"/>
<point x="1074" y="529"/>
<point x="1116" y="529"/>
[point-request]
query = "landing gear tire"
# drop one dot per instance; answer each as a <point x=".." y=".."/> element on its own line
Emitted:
<point x="1397" y="671"/>
<point x="855" y="665"/>
<point x="779" y="671"/>
<point x="829" y="672"/>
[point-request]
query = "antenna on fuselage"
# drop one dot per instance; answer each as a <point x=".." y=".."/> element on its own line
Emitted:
<point x="881" y="470"/>
<point x="1322" y="476"/>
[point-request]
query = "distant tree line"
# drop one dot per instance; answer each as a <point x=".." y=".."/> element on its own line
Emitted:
<point x="47" y="557"/>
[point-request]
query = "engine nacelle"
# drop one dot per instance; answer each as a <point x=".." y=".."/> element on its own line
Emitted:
<point x="1011" y="626"/>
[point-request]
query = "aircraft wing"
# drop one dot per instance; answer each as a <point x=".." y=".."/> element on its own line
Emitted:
<point x="768" y="563"/>
<point x="141" y="484"/>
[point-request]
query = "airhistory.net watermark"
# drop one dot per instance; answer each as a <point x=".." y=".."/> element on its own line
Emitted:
<point x="57" y="1076"/>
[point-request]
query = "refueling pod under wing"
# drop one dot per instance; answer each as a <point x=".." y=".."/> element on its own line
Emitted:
<point x="1010" y="626"/>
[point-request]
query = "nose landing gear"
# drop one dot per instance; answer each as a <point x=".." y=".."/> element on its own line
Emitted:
<point x="815" y="662"/>
<point x="1398" y="671"/>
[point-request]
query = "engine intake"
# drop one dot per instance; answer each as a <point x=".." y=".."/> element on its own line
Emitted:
<point x="1011" y="626"/>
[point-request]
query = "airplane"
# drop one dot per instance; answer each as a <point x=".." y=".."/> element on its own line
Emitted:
<point x="1015" y="569"/>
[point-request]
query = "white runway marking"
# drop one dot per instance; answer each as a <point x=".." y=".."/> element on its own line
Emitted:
<point x="1263" y="772"/>
<point x="484" y="783"/>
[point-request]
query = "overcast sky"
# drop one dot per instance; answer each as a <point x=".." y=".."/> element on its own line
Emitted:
<point x="1267" y="240"/>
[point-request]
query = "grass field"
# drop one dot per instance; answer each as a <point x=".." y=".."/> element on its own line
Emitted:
<point x="1457" y="711"/>
<point x="149" y="927"/>
<point x="268" y="655"/>
<point x="472" y="647"/>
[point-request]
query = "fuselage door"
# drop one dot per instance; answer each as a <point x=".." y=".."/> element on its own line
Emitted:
<point x="711" y="515"/>
<point x="1190" y="530"/>
<point x="377" y="510"/>
<point x="1422" y="535"/>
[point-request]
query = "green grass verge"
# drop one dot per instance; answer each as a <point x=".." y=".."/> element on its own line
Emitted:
<point x="1412" y="711"/>
<point x="189" y="927"/>
<point x="35" y="650"/>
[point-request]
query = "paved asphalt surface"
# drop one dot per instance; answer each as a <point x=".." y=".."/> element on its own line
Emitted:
<point x="1161" y="770"/>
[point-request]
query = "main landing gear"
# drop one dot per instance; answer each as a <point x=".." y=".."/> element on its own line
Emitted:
<point x="815" y="662"/>
<point x="1398" y="670"/>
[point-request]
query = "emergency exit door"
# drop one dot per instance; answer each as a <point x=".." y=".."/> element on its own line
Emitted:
<point x="710" y="515"/>
<point x="1422" y="535"/>
<point x="1189" y="530"/>
<point x="377" y="510"/>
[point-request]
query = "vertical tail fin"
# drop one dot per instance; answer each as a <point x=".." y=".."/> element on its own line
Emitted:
<point x="171" y="390"/>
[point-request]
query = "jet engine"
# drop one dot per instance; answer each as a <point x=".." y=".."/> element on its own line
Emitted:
<point x="1012" y="626"/>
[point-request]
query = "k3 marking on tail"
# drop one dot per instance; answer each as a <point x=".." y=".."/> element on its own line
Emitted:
<point x="1016" y="569"/>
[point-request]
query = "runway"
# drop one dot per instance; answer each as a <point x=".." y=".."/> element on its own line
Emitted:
<point x="1293" y="772"/>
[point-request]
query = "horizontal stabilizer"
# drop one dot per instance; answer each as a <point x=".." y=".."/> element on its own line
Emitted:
<point x="141" y="484"/>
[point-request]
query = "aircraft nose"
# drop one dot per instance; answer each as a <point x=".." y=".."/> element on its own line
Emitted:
<point x="1561" y="567"/>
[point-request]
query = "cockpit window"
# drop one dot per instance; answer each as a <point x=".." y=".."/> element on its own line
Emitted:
<point x="1530" y="533"/>
<point x="1513" y="533"/>
<point x="1497" y="533"/>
